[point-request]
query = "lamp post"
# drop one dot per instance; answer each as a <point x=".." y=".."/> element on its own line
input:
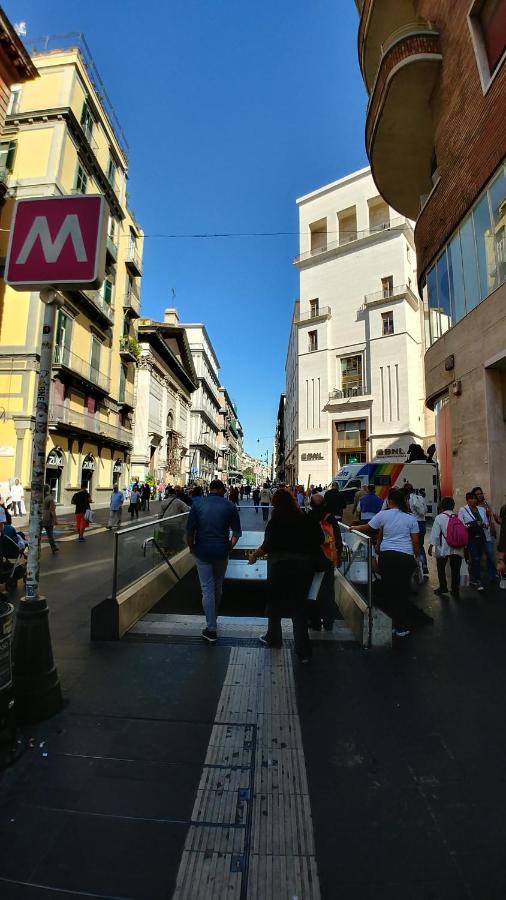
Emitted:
<point x="37" y="687"/>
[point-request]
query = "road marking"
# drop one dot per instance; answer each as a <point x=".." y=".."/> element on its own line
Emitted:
<point x="72" y="567"/>
<point x="251" y="836"/>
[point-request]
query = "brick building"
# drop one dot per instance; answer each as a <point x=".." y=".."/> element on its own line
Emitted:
<point x="436" y="139"/>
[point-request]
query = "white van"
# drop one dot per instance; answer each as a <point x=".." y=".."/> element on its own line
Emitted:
<point x="385" y="475"/>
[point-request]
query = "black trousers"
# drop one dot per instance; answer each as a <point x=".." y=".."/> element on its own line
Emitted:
<point x="300" y="633"/>
<point x="396" y="570"/>
<point x="455" y="564"/>
<point x="265" y="511"/>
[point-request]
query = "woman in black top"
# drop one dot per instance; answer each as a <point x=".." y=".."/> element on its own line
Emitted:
<point x="292" y="542"/>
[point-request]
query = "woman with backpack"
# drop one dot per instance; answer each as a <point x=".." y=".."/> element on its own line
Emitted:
<point x="448" y="538"/>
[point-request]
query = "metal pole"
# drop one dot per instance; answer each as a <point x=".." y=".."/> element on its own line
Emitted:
<point x="36" y="682"/>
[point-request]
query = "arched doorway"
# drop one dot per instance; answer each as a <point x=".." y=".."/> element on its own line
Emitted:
<point x="87" y="472"/>
<point x="117" y="471"/>
<point x="55" y="463"/>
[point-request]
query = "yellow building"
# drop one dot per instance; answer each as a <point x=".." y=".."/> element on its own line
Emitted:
<point x="61" y="137"/>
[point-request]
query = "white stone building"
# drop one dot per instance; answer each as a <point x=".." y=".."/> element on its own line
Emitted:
<point x="164" y="382"/>
<point x="205" y="418"/>
<point x="354" y="368"/>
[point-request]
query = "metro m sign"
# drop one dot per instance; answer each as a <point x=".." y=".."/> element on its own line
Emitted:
<point x="58" y="242"/>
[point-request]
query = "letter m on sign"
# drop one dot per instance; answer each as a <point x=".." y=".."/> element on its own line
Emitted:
<point x="57" y="242"/>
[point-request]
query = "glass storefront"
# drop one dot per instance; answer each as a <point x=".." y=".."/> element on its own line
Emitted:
<point x="473" y="263"/>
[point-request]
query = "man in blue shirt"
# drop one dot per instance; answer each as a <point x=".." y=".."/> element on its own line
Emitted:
<point x="115" y="508"/>
<point x="369" y="505"/>
<point x="208" y="534"/>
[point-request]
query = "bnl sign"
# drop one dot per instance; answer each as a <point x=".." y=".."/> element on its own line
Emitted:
<point x="58" y="242"/>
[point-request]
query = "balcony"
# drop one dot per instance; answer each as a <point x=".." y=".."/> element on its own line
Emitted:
<point x="127" y="396"/>
<point x="65" y="359"/>
<point x="342" y="245"/>
<point x="112" y="248"/>
<point x="88" y="423"/>
<point x="399" y="131"/>
<point x="306" y="318"/>
<point x="378" y="20"/>
<point x="129" y="348"/>
<point x="131" y="302"/>
<point x="398" y="292"/>
<point x="346" y="395"/>
<point x="133" y="261"/>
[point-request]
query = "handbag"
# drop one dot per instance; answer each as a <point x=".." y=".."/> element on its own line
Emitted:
<point x="89" y="516"/>
<point x="464" y="574"/>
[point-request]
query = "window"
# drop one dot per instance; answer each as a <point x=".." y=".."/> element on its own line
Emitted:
<point x="7" y="154"/>
<point x="387" y="285"/>
<point x="347" y="221"/>
<point x="111" y="172"/>
<point x="63" y="326"/>
<point x="351" y="375"/>
<point x="314" y="308"/>
<point x="14" y="99"/>
<point x="313" y="341"/>
<point x="487" y="20"/>
<point x="122" y="383"/>
<point x="387" y="320"/>
<point x="106" y="291"/>
<point x="95" y="357"/>
<point x="81" y="180"/>
<point x="87" y="121"/>
<point x="111" y="230"/>
<point x="318" y="236"/>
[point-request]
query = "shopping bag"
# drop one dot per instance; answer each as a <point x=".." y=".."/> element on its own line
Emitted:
<point x="464" y="574"/>
<point x="89" y="516"/>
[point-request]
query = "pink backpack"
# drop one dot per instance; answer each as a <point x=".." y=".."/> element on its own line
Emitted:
<point x="457" y="535"/>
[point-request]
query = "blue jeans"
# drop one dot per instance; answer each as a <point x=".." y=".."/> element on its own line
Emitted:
<point x="476" y="551"/>
<point x="211" y="575"/>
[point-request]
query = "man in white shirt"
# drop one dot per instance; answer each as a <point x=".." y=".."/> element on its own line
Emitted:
<point x="17" y="496"/>
<point x="418" y="507"/>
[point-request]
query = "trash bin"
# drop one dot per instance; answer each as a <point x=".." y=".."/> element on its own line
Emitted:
<point x="7" y="726"/>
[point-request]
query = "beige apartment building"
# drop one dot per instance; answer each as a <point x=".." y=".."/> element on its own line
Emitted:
<point x="164" y="384"/>
<point x="61" y="137"/>
<point x="230" y="447"/>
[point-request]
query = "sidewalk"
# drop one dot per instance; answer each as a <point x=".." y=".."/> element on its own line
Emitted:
<point x="66" y="520"/>
<point x="183" y="770"/>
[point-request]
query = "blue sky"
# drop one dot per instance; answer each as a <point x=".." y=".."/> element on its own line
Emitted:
<point x="231" y="111"/>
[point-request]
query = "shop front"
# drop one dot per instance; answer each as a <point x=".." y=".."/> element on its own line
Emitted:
<point x="55" y="464"/>
<point x="88" y="472"/>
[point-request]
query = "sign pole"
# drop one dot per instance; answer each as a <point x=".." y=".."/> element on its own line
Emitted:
<point x="37" y="687"/>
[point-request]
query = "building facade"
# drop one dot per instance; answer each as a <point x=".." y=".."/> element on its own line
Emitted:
<point x="63" y="140"/>
<point x="205" y="417"/>
<point x="354" y="371"/>
<point x="16" y="67"/>
<point x="164" y="383"/>
<point x="436" y="139"/>
<point x="230" y="440"/>
<point x="278" y="463"/>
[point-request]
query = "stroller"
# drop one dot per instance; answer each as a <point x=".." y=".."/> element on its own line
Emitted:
<point x="12" y="563"/>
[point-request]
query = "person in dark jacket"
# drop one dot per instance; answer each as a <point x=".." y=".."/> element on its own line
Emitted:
<point x="81" y="501"/>
<point x="292" y="542"/>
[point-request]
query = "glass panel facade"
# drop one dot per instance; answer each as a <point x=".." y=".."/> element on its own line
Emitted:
<point x="474" y="262"/>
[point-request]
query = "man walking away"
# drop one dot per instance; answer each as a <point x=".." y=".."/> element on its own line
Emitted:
<point x="81" y="501"/>
<point x="418" y="507"/>
<point x="336" y="502"/>
<point x="115" y="508"/>
<point x="173" y="505"/>
<point x="256" y="498"/>
<point x="135" y="499"/>
<point x="369" y="505"/>
<point x="212" y="530"/>
<point x="49" y="517"/>
<point x="265" y="501"/>
<point x="17" y="495"/>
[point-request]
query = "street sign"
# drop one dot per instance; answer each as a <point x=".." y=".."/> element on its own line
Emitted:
<point x="58" y="242"/>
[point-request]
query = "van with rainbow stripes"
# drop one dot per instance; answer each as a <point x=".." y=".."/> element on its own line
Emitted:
<point x="385" y="475"/>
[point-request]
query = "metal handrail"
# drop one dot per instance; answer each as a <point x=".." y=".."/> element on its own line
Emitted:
<point x="347" y="393"/>
<point x="387" y="293"/>
<point x="309" y="316"/>
<point x="89" y="422"/>
<point x="63" y="356"/>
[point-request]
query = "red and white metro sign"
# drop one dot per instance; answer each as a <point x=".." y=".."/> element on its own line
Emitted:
<point x="58" y="242"/>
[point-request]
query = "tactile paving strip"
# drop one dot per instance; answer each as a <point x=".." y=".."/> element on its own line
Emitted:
<point x="251" y="836"/>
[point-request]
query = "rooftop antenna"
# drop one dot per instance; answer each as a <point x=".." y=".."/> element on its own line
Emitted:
<point x="173" y="292"/>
